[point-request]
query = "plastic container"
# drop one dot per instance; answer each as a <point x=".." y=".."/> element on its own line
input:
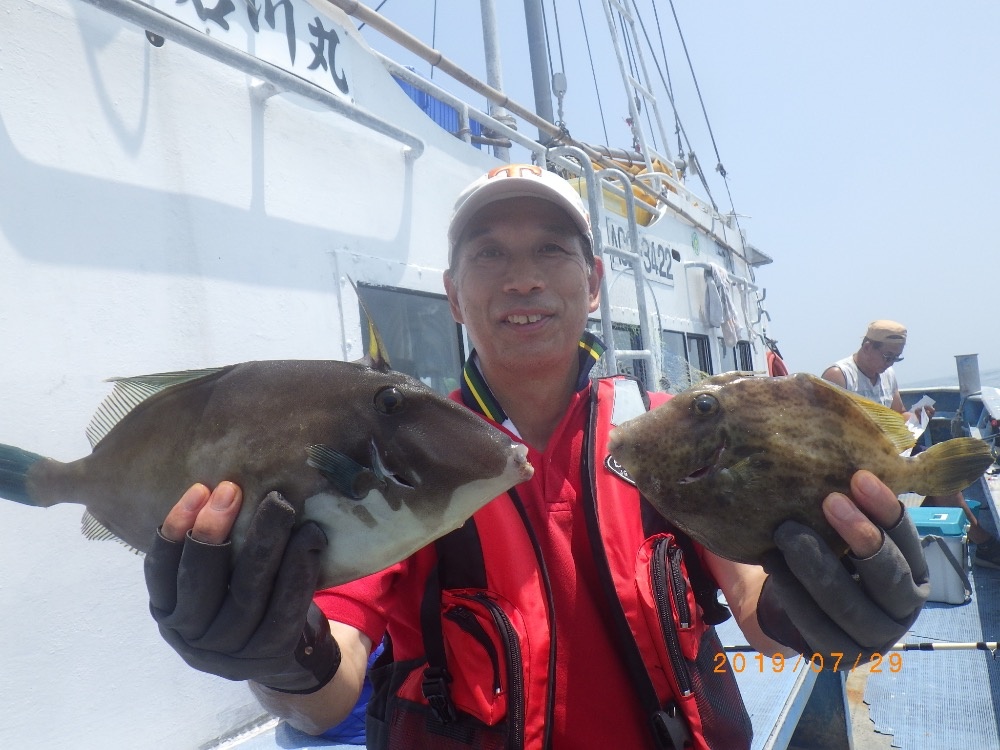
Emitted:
<point x="948" y="573"/>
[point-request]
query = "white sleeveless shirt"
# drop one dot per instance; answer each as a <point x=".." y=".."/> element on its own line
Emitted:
<point x="881" y="392"/>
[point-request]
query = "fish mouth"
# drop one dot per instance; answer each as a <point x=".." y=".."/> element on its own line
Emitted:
<point x="519" y="459"/>
<point x="703" y="471"/>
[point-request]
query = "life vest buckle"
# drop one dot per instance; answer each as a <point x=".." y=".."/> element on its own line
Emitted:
<point x="670" y="729"/>
<point x="435" y="690"/>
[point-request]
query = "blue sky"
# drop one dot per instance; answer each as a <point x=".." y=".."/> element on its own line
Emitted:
<point x="860" y="140"/>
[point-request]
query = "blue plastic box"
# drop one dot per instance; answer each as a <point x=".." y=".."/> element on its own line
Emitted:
<point x="948" y="585"/>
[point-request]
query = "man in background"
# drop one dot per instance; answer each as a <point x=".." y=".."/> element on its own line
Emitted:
<point x="868" y="372"/>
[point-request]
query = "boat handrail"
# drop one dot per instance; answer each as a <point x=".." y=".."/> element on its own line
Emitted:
<point x="277" y="80"/>
<point x="738" y="280"/>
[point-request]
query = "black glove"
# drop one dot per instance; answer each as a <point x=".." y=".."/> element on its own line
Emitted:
<point x="812" y="602"/>
<point x="252" y="620"/>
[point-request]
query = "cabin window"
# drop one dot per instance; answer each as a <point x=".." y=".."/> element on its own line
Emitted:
<point x="625" y="337"/>
<point x="421" y="337"/>
<point x="686" y="360"/>
<point x="629" y="337"/>
<point x="700" y="353"/>
<point x="743" y="356"/>
<point x="676" y="374"/>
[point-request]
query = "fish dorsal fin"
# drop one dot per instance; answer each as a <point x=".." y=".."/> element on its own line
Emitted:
<point x="98" y="532"/>
<point x="130" y="392"/>
<point x="889" y="421"/>
<point x="376" y="357"/>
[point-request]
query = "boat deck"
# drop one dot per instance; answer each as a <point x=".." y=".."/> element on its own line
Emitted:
<point x="947" y="699"/>
<point x="944" y="699"/>
<point x="912" y="700"/>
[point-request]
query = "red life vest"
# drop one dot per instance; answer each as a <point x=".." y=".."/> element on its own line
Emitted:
<point x="489" y="637"/>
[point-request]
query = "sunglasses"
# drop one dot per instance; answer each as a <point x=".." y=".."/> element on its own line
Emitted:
<point x="890" y="359"/>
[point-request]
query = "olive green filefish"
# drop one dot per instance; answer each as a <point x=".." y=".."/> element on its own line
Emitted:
<point x="728" y="460"/>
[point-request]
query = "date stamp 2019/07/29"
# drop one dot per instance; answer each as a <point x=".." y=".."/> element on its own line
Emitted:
<point x="834" y="661"/>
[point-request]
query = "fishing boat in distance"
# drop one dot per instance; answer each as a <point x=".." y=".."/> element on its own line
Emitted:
<point x="192" y="183"/>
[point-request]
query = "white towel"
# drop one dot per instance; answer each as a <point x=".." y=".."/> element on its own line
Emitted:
<point x="732" y="331"/>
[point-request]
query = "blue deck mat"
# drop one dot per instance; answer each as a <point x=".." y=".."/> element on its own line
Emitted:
<point x="945" y="699"/>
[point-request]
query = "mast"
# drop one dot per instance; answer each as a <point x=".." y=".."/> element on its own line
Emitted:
<point x="494" y="70"/>
<point x="540" y="74"/>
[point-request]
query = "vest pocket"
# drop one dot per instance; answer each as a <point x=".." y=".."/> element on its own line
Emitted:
<point x="483" y="636"/>
<point x="685" y="646"/>
<point x="673" y="611"/>
<point x="673" y="626"/>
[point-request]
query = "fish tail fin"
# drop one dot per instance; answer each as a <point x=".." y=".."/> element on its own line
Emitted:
<point x="952" y="465"/>
<point x="14" y="466"/>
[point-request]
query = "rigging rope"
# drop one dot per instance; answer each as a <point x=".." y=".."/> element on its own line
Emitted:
<point x="548" y="45"/>
<point x="668" y="83"/>
<point x="718" y="167"/>
<point x="560" y="94"/>
<point x="635" y="55"/>
<point x="629" y="55"/>
<point x="434" y="30"/>
<point x="697" y="88"/>
<point x="562" y="61"/>
<point x="692" y="158"/>
<point x="593" y="73"/>
<point x="555" y="15"/>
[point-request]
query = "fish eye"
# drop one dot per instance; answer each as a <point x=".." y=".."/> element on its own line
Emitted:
<point x="705" y="405"/>
<point x="389" y="400"/>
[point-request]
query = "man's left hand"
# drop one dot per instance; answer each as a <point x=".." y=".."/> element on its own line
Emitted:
<point x="811" y="602"/>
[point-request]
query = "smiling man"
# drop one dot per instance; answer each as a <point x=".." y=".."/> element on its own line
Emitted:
<point x="562" y="614"/>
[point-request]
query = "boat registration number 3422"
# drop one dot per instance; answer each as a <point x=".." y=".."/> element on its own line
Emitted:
<point x="657" y="258"/>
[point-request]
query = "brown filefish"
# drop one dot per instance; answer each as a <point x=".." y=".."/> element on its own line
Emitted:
<point x="728" y="460"/>
<point x="381" y="462"/>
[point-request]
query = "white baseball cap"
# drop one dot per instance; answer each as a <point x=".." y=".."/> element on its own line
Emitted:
<point x="517" y="181"/>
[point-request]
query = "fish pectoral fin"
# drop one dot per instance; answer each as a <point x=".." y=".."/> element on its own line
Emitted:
<point x="742" y="476"/>
<point x="887" y="420"/>
<point x="348" y="477"/>
<point x="132" y="391"/>
<point x="96" y="531"/>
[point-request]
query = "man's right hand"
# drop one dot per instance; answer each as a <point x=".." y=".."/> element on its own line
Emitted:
<point x="251" y="618"/>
